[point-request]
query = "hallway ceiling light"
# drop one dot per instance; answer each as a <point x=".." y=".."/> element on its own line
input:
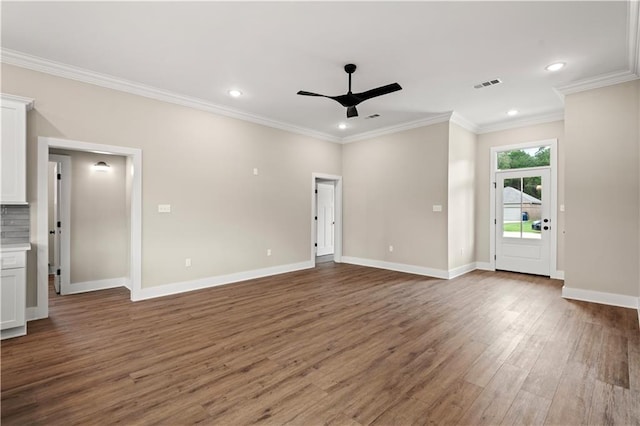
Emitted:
<point x="101" y="166"/>
<point x="342" y="126"/>
<point x="512" y="112"/>
<point x="235" y="93"/>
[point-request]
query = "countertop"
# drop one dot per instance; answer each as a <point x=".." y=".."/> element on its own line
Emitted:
<point x="15" y="247"/>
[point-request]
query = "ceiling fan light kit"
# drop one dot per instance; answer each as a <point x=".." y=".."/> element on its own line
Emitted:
<point x="350" y="100"/>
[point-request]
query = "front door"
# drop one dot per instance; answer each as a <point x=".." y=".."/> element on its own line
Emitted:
<point x="523" y="221"/>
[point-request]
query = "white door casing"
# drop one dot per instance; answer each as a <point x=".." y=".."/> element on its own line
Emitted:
<point x="520" y="245"/>
<point x="325" y="208"/>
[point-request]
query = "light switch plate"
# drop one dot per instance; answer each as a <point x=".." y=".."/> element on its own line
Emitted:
<point x="164" y="208"/>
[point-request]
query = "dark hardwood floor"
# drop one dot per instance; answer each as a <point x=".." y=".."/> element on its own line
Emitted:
<point x="338" y="345"/>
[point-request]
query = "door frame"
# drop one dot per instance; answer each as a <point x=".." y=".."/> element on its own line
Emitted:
<point x="134" y="167"/>
<point x="64" y="200"/>
<point x="337" y="248"/>
<point x="553" y="199"/>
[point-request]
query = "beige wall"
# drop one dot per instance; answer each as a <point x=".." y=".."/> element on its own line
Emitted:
<point x="99" y="240"/>
<point x="602" y="189"/>
<point x="486" y="141"/>
<point x="223" y="217"/>
<point x="461" y="203"/>
<point x="390" y="185"/>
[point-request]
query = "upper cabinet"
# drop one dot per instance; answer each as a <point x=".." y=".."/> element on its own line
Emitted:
<point x="13" y="159"/>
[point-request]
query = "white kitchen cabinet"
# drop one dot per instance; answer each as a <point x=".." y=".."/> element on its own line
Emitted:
<point x="13" y="300"/>
<point x="13" y="144"/>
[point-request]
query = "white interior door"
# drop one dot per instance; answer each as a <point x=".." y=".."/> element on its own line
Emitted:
<point x="523" y="221"/>
<point x="56" y="228"/>
<point x="325" y="206"/>
<point x="62" y="220"/>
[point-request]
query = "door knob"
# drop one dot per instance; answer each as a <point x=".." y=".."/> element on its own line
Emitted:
<point x="546" y="220"/>
<point x="545" y="228"/>
<point x="52" y="232"/>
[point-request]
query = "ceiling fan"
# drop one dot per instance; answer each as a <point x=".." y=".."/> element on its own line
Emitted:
<point x="350" y="100"/>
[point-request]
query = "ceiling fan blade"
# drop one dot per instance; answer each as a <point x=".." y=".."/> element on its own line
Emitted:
<point x="304" y="93"/>
<point x="352" y="112"/>
<point x="378" y="91"/>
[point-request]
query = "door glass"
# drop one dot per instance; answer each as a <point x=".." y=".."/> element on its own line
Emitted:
<point x="522" y="158"/>
<point x="521" y="207"/>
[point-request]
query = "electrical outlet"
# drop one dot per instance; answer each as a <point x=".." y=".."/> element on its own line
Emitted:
<point x="164" y="208"/>
<point x="437" y="208"/>
<point x="268" y="252"/>
<point x="255" y="171"/>
<point x="390" y="248"/>
<point x="187" y="262"/>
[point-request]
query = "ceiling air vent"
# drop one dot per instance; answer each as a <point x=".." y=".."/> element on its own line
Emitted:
<point x="488" y="83"/>
<point x="372" y="116"/>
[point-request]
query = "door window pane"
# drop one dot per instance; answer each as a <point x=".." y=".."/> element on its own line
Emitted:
<point x="522" y="207"/>
<point x="522" y="158"/>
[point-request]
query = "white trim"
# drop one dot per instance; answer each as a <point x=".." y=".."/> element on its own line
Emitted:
<point x="13" y="57"/>
<point x="525" y="121"/>
<point x="83" y="287"/>
<point x="597" y="82"/>
<point x="634" y="36"/>
<point x="440" y="118"/>
<point x="612" y="299"/>
<point x="337" y="249"/>
<point x="464" y="123"/>
<point x="202" y="283"/>
<point x="553" y="202"/>
<point x="399" y="267"/>
<point x="31" y="314"/>
<point x="28" y="102"/>
<point x="557" y="275"/>
<point x="485" y="266"/>
<point x="461" y="270"/>
<point x="42" y="234"/>
<point x="13" y="332"/>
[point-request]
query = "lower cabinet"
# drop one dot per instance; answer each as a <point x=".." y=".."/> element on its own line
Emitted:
<point x="13" y="294"/>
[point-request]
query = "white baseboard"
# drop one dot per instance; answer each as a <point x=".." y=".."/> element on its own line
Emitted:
<point x="557" y="275"/>
<point x="400" y="267"/>
<point x="612" y="299"/>
<point x="461" y="270"/>
<point x="202" y="283"/>
<point x="85" y="286"/>
<point x="485" y="266"/>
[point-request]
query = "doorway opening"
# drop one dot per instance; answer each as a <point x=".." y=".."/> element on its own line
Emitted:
<point x="132" y="160"/>
<point x="326" y="229"/>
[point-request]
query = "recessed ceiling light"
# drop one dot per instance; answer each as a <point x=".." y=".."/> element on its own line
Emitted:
<point x="234" y="93"/>
<point x="512" y="112"/>
<point x="555" y="66"/>
<point x="342" y="126"/>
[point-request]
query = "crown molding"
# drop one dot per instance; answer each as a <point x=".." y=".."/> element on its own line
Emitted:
<point x="596" y="82"/>
<point x="527" y="121"/>
<point x="440" y="118"/>
<point x="464" y="123"/>
<point x="616" y="77"/>
<point x="46" y="66"/>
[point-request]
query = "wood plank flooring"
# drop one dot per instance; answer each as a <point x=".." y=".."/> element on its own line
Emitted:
<point x="336" y="345"/>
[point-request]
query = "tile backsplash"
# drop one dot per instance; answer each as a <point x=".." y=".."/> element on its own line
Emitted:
<point x="15" y="224"/>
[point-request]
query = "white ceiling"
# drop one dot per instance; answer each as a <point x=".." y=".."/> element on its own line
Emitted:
<point x="195" y="52"/>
